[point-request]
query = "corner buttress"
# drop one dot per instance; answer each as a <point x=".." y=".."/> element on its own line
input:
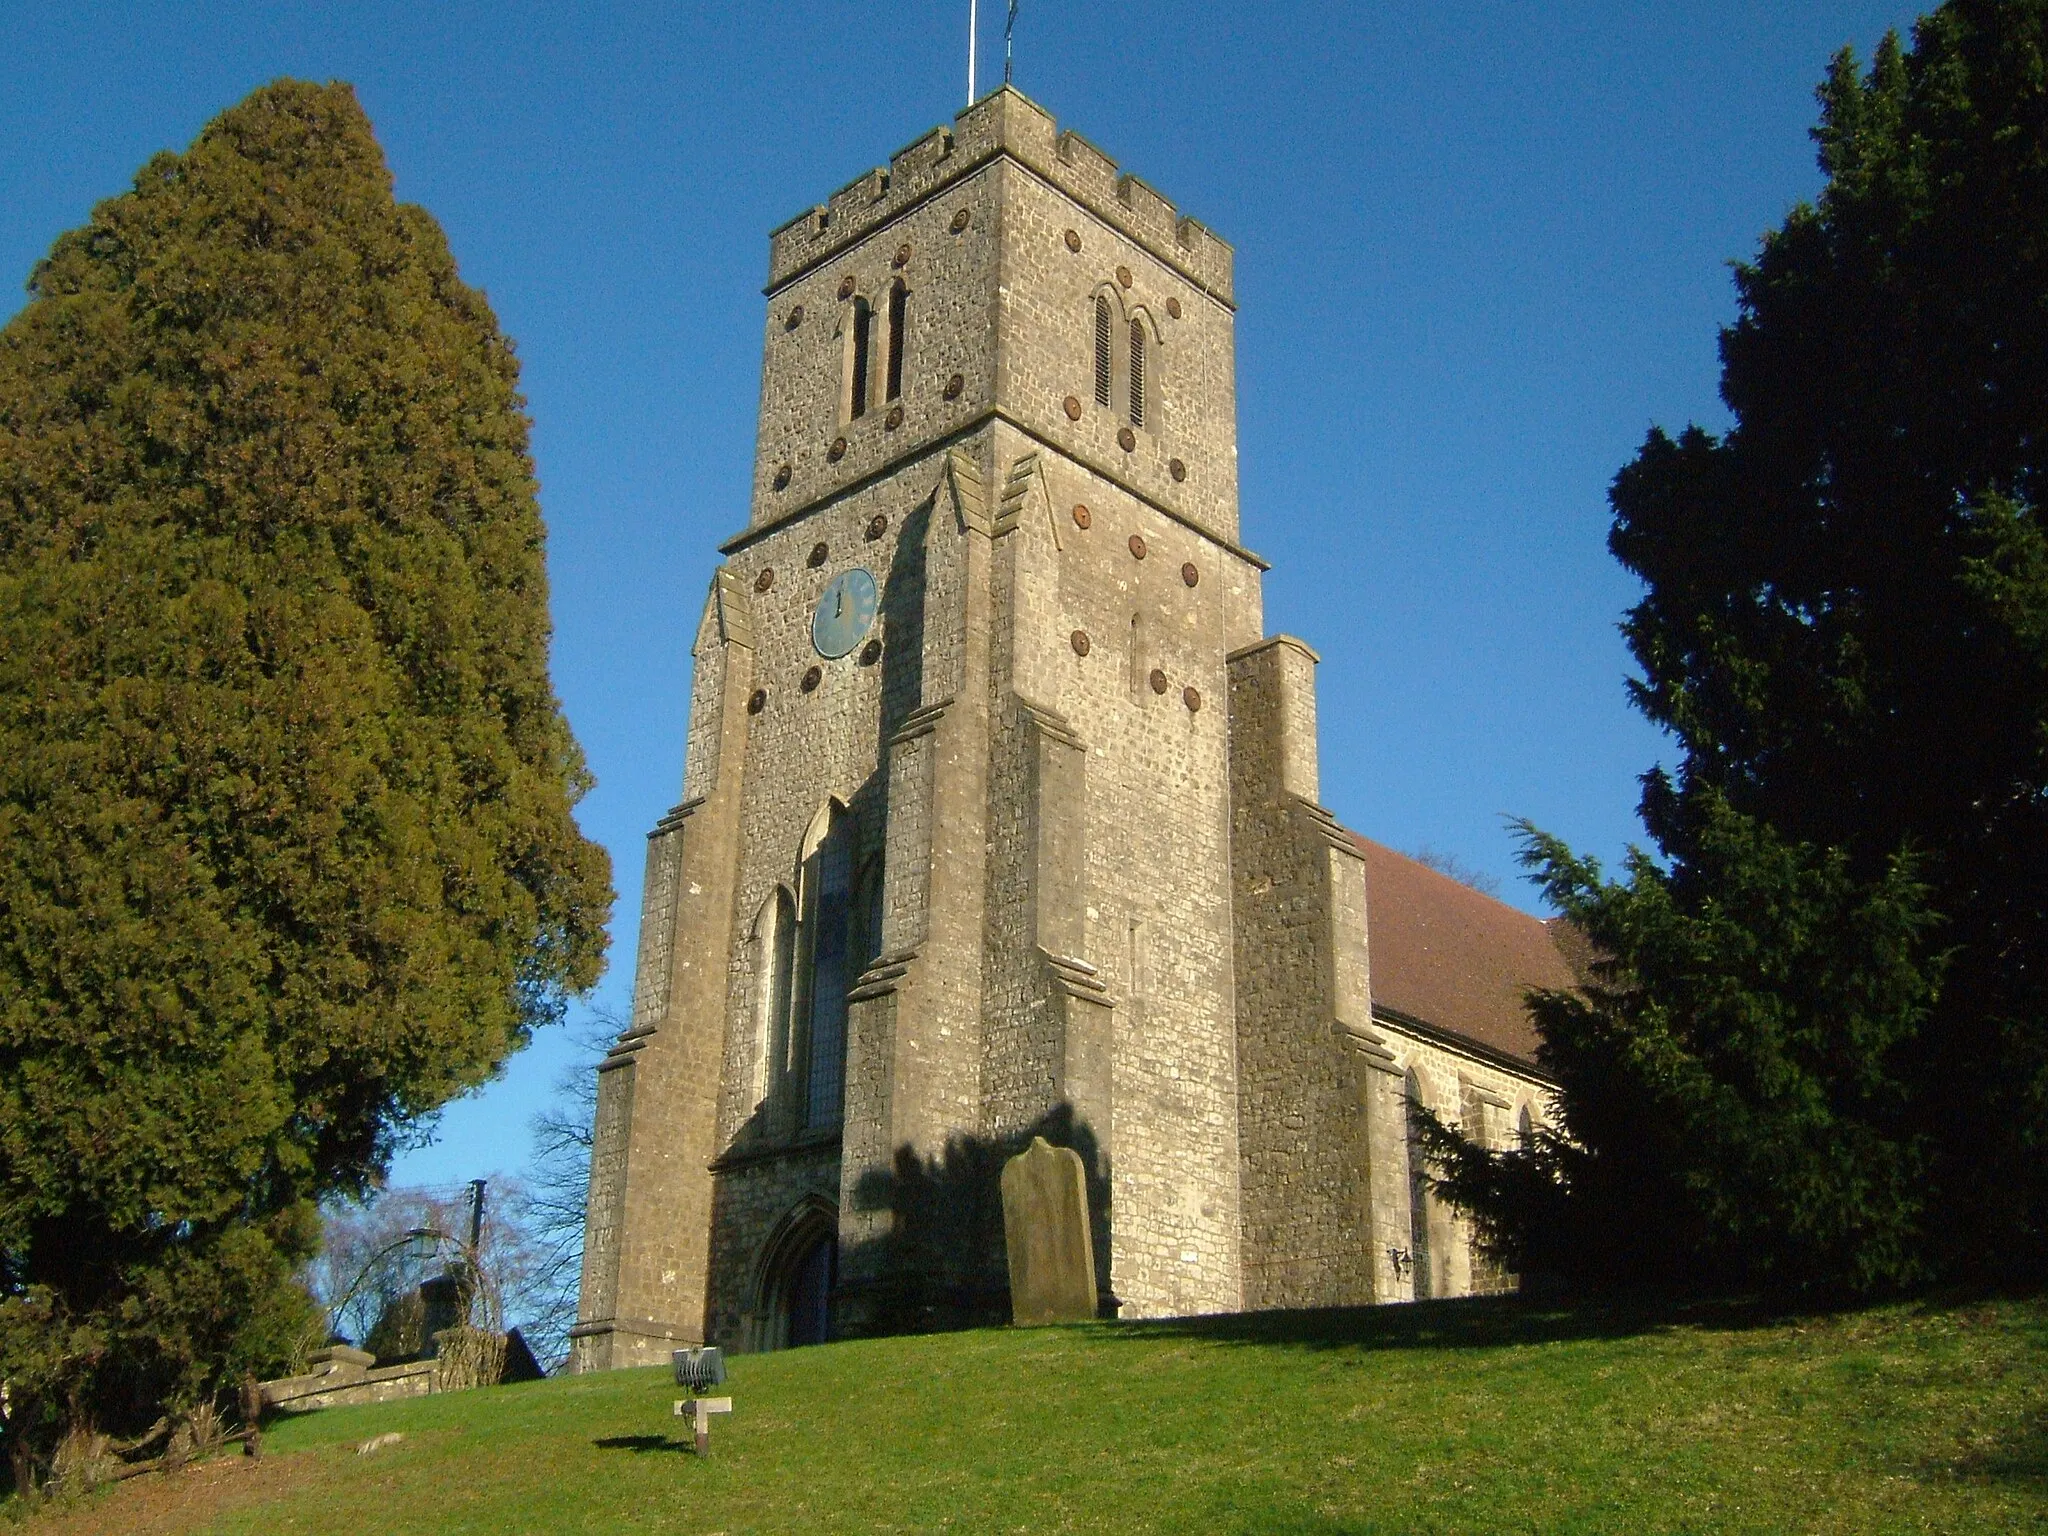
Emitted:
<point x="647" y="1230"/>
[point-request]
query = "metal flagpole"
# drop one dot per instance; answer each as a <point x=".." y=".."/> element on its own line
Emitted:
<point x="1009" y="26"/>
<point x="970" y="52"/>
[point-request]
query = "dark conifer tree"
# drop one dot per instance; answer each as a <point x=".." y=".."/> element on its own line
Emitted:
<point x="1818" y="1051"/>
<point x="286" y="847"/>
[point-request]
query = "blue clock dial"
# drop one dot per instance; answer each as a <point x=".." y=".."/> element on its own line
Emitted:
<point x="843" y="613"/>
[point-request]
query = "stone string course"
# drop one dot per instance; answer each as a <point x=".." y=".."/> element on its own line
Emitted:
<point x="1110" y="914"/>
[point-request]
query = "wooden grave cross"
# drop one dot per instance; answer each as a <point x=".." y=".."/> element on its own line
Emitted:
<point x="699" y="1411"/>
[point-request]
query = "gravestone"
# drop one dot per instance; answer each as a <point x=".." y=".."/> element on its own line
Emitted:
<point x="1045" y="1225"/>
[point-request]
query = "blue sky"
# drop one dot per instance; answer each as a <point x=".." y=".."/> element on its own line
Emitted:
<point x="1480" y="249"/>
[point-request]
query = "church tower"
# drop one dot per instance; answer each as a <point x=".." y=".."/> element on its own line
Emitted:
<point x="954" y="860"/>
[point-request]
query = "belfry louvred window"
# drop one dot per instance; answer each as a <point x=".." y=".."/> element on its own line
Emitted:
<point x="1101" y="350"/>
<point x="857" y="390"/>
<point x="1137" y="373"/>
<point x="899" y="306"/>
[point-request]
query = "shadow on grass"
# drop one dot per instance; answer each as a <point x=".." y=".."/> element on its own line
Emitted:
<point x="641" y="1443"/>
<point x="2018" y="1451"/>
<point x="2019" y="1456"/>
<point x="1473" y="1322"/>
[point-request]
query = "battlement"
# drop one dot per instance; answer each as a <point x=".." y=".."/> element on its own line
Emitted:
<point x="1005" y="122"/>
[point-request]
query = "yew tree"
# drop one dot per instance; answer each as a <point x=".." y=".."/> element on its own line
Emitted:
<point x="287" y="853"/>
<point x="1816" y="1051"/>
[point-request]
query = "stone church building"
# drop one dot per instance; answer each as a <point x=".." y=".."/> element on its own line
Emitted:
<point x="1000" y="817"/>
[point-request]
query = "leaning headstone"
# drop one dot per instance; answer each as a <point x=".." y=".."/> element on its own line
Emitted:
<point x="1045" y="1225"/>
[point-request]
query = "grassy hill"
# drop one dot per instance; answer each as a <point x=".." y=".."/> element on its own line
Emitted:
<point x="1459" y="1416"/>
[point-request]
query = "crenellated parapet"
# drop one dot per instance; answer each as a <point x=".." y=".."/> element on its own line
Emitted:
<point x="1005" y="122"/>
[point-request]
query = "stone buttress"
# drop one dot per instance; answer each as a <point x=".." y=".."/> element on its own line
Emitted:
<point x="645" y="1257"/>
<point x="1322" y="1106"/>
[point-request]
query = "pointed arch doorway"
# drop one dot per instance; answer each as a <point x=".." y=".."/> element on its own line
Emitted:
<point x="799" y="1268"/>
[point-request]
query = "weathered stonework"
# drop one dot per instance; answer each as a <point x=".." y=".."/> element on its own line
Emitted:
<point x="339" y="1376"/>
<point x="1048" y="830"/>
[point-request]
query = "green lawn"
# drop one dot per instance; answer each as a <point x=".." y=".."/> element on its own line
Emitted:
<point x="1459" y="1416"/>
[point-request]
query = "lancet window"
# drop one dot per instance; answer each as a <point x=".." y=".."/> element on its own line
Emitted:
<point x="807" y="949"/>
<point x="1418" y="1195"/>
<point x="824" y="968"/>
<point x="773" y="945"/>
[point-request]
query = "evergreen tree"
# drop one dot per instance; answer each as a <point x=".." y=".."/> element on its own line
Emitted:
<point x="286" y="848"/>
<point x="1816" y="1050"/>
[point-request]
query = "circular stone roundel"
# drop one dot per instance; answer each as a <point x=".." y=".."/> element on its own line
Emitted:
<point x="844" y="613"/>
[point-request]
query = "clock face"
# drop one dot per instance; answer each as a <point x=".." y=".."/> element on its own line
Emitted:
<point x="843" y="613"/>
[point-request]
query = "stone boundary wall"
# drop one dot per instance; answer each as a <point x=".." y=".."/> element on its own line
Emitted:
<point x="341" y="1376"/>
<point x="463" y="1357"/>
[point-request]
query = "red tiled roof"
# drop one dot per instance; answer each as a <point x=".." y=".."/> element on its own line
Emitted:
<point x="1454" y="957"/>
